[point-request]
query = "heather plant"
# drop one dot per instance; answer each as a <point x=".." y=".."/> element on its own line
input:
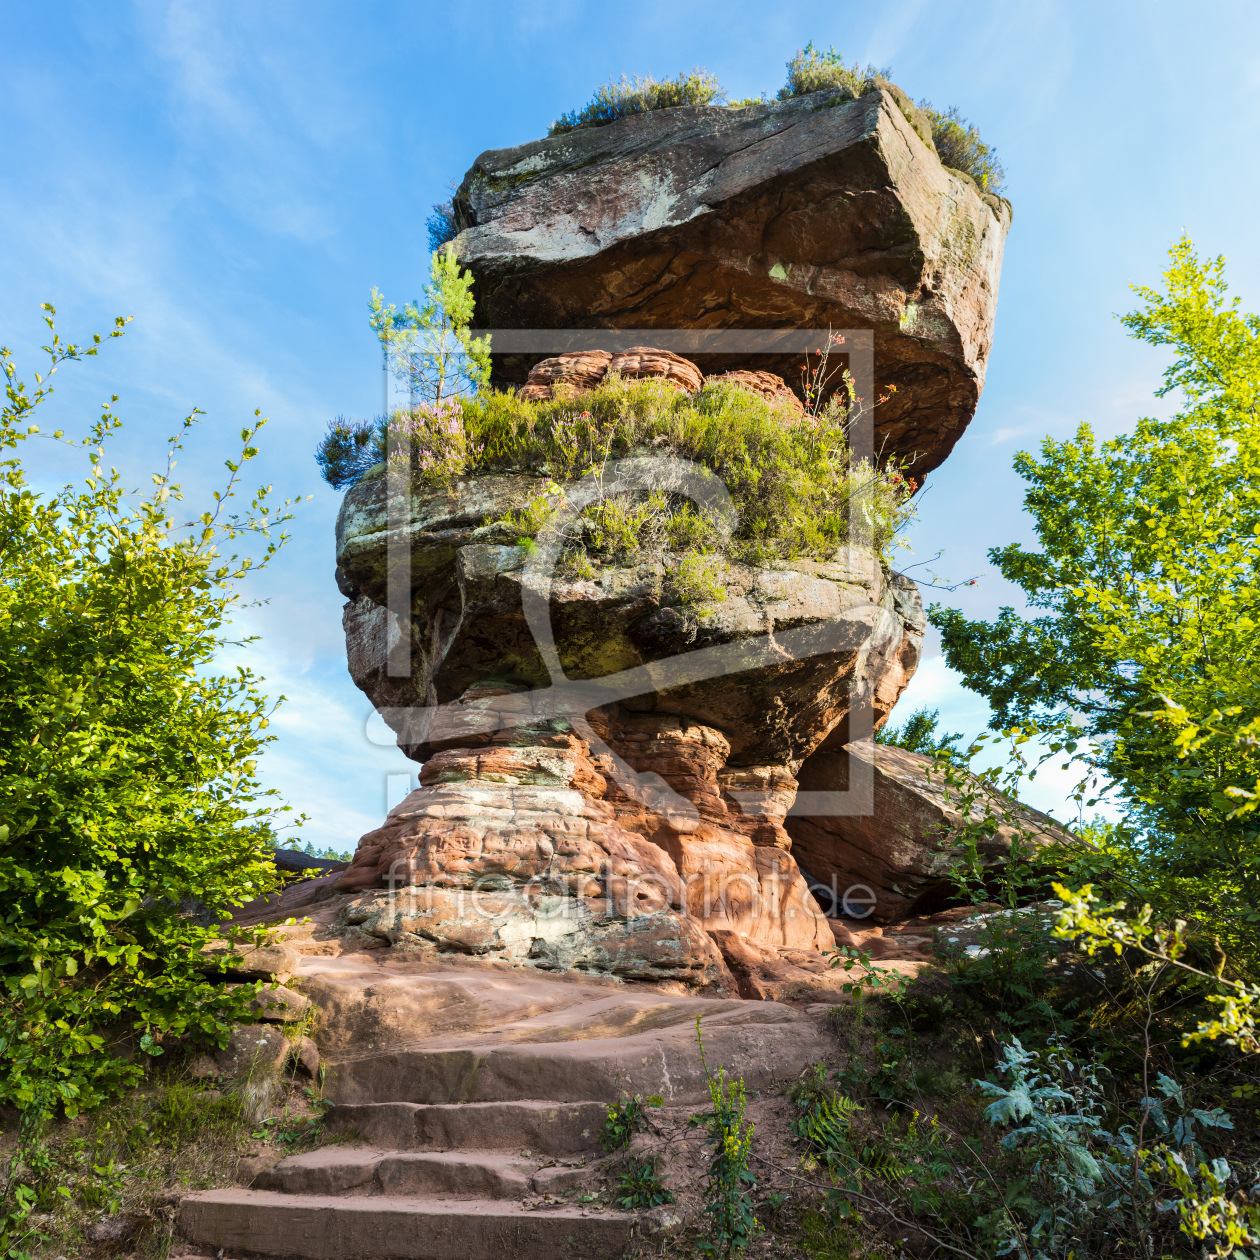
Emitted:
<point x="429" y="440"/>
<point x="641" y="95"/>
<point x="442" y="226"/>
<point x="795" y="484"/>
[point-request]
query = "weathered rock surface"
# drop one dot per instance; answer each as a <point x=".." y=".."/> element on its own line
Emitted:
<point x="580" y="371"/>
<point x="253" y="1051"/>
<point x="604" y="812"/>
<point x="902" y="850"/>
<point x="397" y="1029"/>
<point x="519" y="848"/>
<point x="768" y="385"/>
<point x="263" y="962"/>
<point x="585" y="369"/>
<point x="275" y="1004"/>
<point x="789" y="645"/>
<point x="807" y="213"/>
<point x="646" y="362"/>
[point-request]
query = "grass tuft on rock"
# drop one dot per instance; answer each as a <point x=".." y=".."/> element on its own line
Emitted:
<point x="641" y="95"/>
<point x="960" y="148"/>
<point x="957" y="141"/>
<point x="813" y="70"/>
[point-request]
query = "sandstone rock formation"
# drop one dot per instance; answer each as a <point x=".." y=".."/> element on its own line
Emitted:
<point x="600" y="795"/>
<point x="771" y="387"/>
<point x="583" y="370"/>
<point x="646" y="362"/>
<point x="807" y="213"/>
<point x="901" y="850"/>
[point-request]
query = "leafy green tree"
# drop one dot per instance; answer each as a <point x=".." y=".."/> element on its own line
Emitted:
<point x="1148" y="582"/>
<point x="130" y="811"/>
<point x="918" y="734"/>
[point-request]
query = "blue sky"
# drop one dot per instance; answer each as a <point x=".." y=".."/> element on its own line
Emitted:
<point x="238" y="176"/>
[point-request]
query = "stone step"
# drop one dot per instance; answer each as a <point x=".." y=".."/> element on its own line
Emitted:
<point x="410" y="1030"/>
<point x="543" y="1128"/>
<point x="763" y="1042"/>
<point x="387" y="1227"/>
<point x="336" y="1170"/>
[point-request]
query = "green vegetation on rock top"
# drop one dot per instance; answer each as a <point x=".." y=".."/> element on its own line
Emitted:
<point x="641" y="95"/>
<point x="957" y="141"/>
<point x="792" y="478"/>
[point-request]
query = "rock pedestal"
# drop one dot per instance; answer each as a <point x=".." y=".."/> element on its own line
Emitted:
<point x="603" y="795"/>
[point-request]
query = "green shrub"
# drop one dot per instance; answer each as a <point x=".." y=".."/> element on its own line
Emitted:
<point x="127" y="765"/>
<point x="349" y="449"/>
<point x="813" y="70"/>
<point x="958" y="143"/>
<point x="641" y="95"/>
<point x="792" y="479"/>
<point x="624" y="1119"/>
<point x="1086" y="1180"/>
<point x="441" y="225"/>
<point x="639" y="1187"/>
<point x="959" y="147"/>
<point x="697" y="579"/>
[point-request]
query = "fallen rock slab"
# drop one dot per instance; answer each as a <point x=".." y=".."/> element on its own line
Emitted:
<point x="897" y="857"/>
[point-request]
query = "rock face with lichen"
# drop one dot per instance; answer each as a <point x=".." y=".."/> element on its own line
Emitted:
<point x="816" y="212"/>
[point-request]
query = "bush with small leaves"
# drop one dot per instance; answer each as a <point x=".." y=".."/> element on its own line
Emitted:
<point x="813" y="70"/>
